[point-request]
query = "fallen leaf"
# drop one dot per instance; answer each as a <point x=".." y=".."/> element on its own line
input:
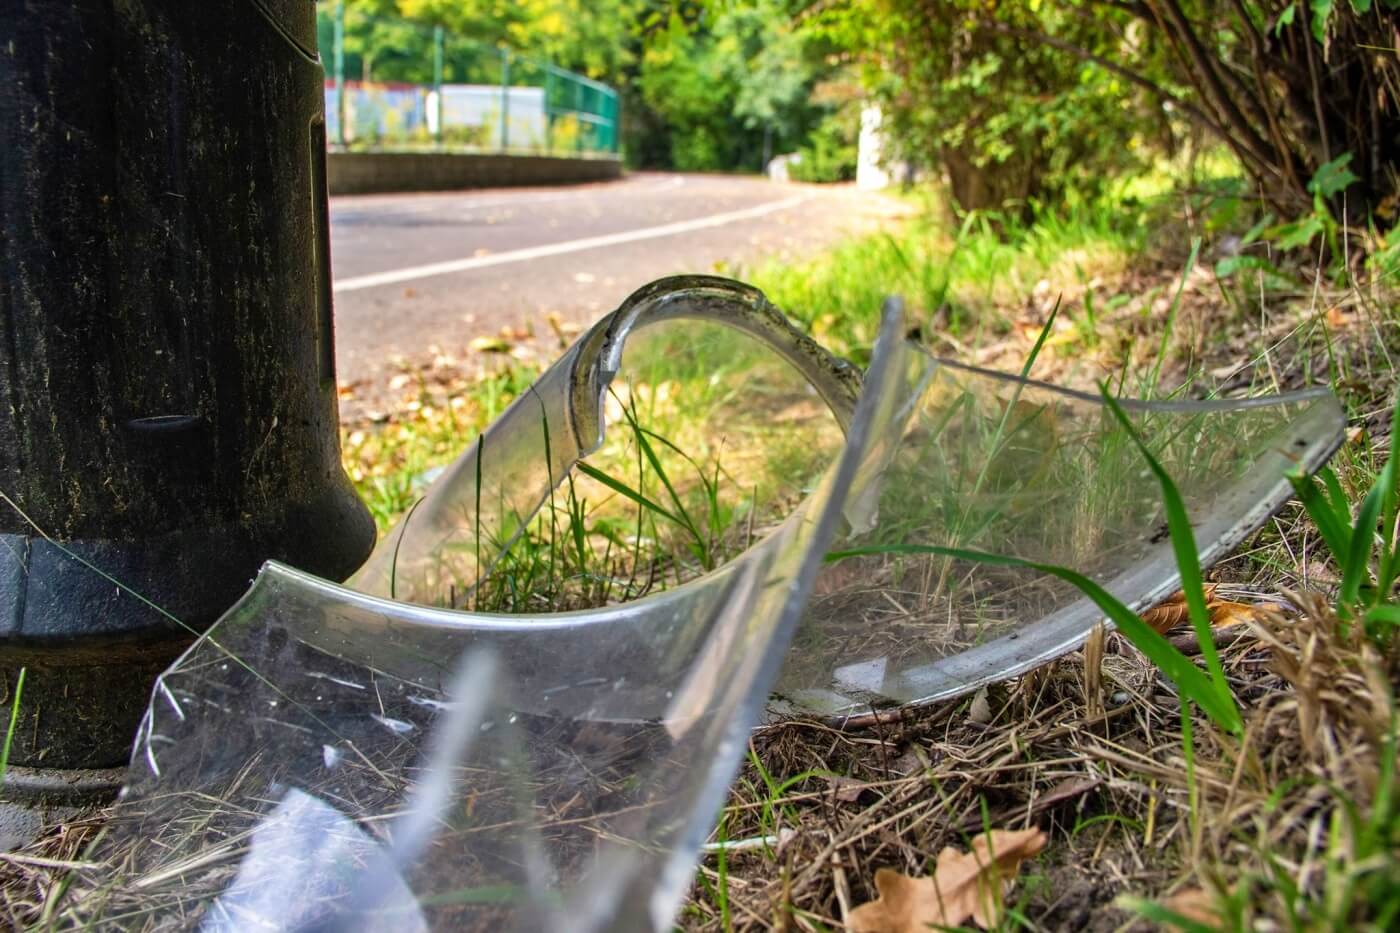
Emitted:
<point x="911" y="761"/>
<point x="1194" y="904"/>
<point x="489" y="345"/>
<point x="1093" y="671"/>
<point x="1173" y="612"/>
<point x="847" y="789"/>
<point x="980" y="711"/>
<point x="1224" y="613"/>
<point x="1168" y="615"/>
<point x="964" y="885"/>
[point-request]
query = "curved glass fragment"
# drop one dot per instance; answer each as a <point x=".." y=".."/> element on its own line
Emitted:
<point x="327" y="759"/>
<point x="986" y="461"/>
<point x="369" y="757"/>
<point x="1016" y="467"/>
<point x="478" y="507"/>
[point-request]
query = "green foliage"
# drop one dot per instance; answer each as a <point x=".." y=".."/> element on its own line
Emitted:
<point x="705" y="88"/>
<point x="1365" y="550"/>
<point x="1210" y="690"/>
<point x="830" y="152"/>
<point x="14" y="720"/>
<point x="957" y="274"/>
<point x="967" y="88"/>
<point x="731" y="88"/>
<point x="1301" y="232"/>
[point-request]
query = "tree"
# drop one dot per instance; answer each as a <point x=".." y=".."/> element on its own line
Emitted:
<point x="967" y="87"/>
<point x="1290" y="86"/>
<point x="732" y="86"/>
<point x="1051" y="90"/>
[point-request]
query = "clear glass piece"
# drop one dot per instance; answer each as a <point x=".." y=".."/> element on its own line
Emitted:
<point x="372" y="757"/>
<point x="322" y="752"/>
<point x="993" y="463"/>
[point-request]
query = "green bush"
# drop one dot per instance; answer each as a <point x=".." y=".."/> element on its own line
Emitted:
<point x="830" y="152"/>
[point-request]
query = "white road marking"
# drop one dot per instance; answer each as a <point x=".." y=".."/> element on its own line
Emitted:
<point x="412" y="273"/>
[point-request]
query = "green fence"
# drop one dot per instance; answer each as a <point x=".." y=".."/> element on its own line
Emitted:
<point x="395" y="83"/>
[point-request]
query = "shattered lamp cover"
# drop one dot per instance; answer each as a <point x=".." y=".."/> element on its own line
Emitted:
<point x="373" y="757"/>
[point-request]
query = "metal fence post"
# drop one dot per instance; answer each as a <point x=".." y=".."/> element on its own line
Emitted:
<point x="437" y="81"/>
<point x="578" y="114"/>
<point x="548" y="108"/>
<point x="505" y="100"/>
<point x="617" y="122"/>
<point x="338" y="63"/>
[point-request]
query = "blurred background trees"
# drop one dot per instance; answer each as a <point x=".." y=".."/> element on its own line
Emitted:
<point x="1010" y="104"/>
<point x="1019" y="100"/>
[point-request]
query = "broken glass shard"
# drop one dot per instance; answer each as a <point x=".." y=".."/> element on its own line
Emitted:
<point x="412" y="764"/>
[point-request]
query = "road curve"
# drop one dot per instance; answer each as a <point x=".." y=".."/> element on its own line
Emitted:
<point x="417" y="274"/>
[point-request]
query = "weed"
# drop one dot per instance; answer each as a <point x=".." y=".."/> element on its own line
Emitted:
<point x="1369" y="559"/>
<point x="14" y="721"/>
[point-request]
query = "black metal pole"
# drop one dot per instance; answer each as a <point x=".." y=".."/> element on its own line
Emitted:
<point x="167" y="367"/>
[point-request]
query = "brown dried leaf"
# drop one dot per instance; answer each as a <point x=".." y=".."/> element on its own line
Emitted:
<point x="1224" y="613"/>
<point x="964" y="885"/>
<point x="980" y="711"/>
<point x="489" y="345"/>
<point x="1172" y="612"/>
<point x="847" y="789"/>
<point x="1093" y="671"/>
<point x="1168" y="615"/>
<point x="1195" y="904"/>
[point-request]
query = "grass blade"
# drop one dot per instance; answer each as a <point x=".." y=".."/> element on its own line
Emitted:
<point x="1170" y="324"/>
<point x="1388" y="567"/>
<point x="14" y="722"/>
<point x="650" y="453"/>
<point x="628" y="492"/>
<point x="1335" y="495"/>
<point x="1188" y="564"/>
<point x="1336" y="533"/>
<point x="1162" y="915"/>
<point x="1358" y="556"/>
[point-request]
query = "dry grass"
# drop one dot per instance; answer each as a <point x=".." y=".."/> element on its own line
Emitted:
<point x="1112" y="788"/>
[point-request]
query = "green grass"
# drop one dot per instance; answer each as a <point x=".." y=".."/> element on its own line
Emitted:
<point x="958" y="275"/>
<point x="1367" y="551"/>
<point x="14" y="721"/>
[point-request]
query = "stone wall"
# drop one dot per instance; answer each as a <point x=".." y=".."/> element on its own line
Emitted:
<point x="369" y="172"/>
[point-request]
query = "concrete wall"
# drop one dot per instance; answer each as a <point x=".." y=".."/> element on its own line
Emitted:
<point x="368" y="172"/>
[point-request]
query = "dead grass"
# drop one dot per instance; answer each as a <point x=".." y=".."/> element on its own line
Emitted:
<point x="1111" y="788"/>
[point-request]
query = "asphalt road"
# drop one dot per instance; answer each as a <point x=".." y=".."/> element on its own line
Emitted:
<point x="419" y="275"/>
